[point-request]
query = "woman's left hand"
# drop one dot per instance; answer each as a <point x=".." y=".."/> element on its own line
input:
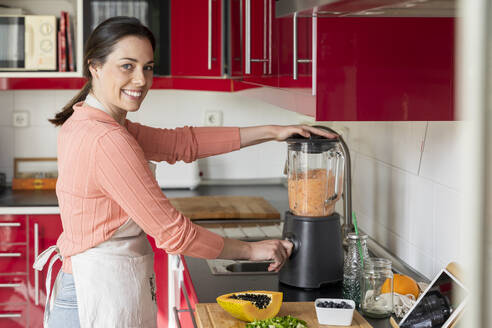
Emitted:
<point x="257" y="134"/>
<point x="284" y="132"/>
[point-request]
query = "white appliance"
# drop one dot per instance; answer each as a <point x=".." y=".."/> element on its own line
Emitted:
<point x="177" y="175"/>
<point x="27" y="42"/>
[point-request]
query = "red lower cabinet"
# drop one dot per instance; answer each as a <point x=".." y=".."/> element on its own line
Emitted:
<point x="13" y="271"/>
<point x="22" y="289"/>
<point x="161" y="280"/>
<point x="44" y="231"/>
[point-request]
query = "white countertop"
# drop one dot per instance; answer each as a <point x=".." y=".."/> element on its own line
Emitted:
<point x="30" y="210"/>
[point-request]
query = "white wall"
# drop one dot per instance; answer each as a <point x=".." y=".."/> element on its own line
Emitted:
<point x="407" y="191"/>
<point x="406" y="176"/>
<point x="161" y="108"/>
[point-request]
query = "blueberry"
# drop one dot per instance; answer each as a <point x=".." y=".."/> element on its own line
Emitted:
<point x="343" y="303"/>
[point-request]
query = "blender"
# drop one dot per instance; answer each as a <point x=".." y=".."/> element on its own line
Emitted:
<point x="318" y="171"/>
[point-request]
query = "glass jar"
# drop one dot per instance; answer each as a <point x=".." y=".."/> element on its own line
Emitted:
<point x="353" y="265"/>
<point x="376" y="299"/>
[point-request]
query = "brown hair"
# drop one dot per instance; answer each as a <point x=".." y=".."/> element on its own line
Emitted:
<point x="97" y="48"/>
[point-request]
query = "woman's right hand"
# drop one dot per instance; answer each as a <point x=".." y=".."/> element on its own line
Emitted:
<point x="265" y="250"/>
<point x="274" y="249"/>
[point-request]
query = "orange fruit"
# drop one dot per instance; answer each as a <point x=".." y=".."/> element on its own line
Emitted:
<point x="402" y="284"/>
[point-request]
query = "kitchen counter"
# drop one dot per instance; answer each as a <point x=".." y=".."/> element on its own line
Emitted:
<point x="45" y="201"/>
<point x="208" y="287"/>
<point x="276" y="194"/>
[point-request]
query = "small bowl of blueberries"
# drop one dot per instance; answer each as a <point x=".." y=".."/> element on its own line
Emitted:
<point x="334" y="311"/>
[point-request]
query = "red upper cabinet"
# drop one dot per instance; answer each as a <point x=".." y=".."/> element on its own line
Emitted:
<point x="385" y="69"/>
<point x="340" y="67"/>
<point x="196" y="38"/>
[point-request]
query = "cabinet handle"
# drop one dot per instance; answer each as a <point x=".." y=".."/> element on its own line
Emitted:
<point x="36" y="272"/>
<point x="10" y="315"/>
<point x="9" y="224"/>
<point x="10" y="254"/>
<point x="270" y="22"/>
<point x="9" y="285"/>
<point x="247" y="51"/>
<point x="209" y="34"/>
<point x="176" y="317"/>
<point x="314" y="51"/>
<point x="265" y="18"/>
<point x="296" y="60"/>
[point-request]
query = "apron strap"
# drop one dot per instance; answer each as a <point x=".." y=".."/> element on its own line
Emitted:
<point x="39" y="264"/>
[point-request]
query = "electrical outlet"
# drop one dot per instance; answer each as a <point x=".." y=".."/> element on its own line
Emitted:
<point x="20" y="119"/>
<point x="213" y="118"/>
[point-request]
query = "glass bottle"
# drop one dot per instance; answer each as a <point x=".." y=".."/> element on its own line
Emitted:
<point x="374" y="303"/>
<point x="352" y="266"/>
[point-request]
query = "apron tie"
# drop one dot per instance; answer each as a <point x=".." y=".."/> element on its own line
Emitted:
<point x="39" y="264"/>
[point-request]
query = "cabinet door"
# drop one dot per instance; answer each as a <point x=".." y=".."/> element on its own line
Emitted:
<point x="13" y="244"/>
<point x="385" y="69"/>
<point x="196" y="38"/>
<point x="260" y="53"/>
<point x="44" y="231"/>
<point x="161" y="281"/>
<point x="235" y="46"/>
<point x="295" y="53"/>
<point x="14" y="316"/>
<point x="188" y="299"/>
<point x="13" y="228"/>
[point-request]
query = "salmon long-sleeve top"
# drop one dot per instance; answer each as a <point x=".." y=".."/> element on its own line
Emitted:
<point x="104" y="179"/>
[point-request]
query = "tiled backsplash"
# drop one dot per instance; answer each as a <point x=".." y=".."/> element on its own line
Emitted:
<point x="406" y="188"/>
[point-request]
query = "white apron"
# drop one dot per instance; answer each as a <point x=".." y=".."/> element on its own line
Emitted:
<point x="114" y="281"/>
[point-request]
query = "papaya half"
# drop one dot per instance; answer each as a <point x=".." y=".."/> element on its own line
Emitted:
<point x="252" y="304"/>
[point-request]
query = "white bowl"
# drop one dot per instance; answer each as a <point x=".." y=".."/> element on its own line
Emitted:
<point x="333" y="316"/>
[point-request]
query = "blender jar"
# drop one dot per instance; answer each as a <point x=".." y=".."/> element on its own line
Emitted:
<point x="315" y="168"/>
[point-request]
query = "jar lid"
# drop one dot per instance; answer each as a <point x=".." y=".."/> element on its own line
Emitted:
<point x="353" y="235"/>
<point x="313" y="144"/>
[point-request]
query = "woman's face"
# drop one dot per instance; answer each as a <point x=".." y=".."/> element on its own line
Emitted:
<point x="122" y="82"/>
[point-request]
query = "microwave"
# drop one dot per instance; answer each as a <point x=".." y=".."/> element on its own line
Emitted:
<point x="28" y="43"/>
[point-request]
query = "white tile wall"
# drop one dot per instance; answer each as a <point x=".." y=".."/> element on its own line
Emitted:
<point x="406" y="187"/>
<point x="7" y="106"/>
<point x="442" y="160"/>
<point x="161" y="108"/>
<point x="172" y="108"/>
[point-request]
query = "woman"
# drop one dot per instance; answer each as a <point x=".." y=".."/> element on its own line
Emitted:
<point x="109" y="200"/>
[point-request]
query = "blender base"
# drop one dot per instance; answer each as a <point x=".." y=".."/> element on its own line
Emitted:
<point x="317" y="257"/>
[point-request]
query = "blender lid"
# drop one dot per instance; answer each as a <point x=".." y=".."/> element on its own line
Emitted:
<point x="314" y="144"/>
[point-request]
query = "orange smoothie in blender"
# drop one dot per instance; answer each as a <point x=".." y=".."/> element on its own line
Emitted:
<point x="310" y="191"/>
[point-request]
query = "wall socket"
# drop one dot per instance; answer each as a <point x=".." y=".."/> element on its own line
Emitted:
<point x="20" y="119"/>
<point x="213" y="118"/>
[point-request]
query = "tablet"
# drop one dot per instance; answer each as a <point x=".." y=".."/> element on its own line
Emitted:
<point x="439" y="305"/>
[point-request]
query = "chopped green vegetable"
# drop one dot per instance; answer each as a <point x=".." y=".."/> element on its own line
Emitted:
<point x="278" y="322"/>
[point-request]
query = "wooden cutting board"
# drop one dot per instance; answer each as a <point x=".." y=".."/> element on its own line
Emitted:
<point x="211" y="315"/>
<point x="225" y="207"/>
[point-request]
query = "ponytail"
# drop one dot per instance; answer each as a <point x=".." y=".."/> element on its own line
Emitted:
<point x="67" y="110"/>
